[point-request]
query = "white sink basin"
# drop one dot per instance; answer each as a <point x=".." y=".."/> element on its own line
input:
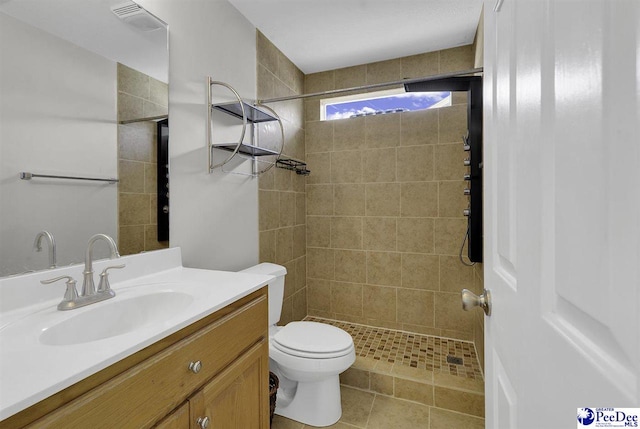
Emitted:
<point x="155" y="297"/>
<point x="115" y="317"/>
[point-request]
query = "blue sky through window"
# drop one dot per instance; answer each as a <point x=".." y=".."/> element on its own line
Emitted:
<point x="377" y="104"/>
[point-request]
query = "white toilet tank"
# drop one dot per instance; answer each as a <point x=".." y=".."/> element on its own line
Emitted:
<point x="276" y="287"/>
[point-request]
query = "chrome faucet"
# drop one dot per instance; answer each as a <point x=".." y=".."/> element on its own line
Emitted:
<point x="88" y="287"/>
<point x="37" y="244"/>
<point x="89" y="295"/>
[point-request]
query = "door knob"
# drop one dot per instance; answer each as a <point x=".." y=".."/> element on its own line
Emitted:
<point x="470" y="300"/>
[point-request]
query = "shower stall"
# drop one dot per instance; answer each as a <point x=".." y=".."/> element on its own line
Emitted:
<point x="386" y="230"/>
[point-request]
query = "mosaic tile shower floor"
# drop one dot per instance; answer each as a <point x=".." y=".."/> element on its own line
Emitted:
<point x="412" y="350"/>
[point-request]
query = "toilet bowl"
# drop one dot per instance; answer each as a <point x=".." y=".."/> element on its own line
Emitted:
<point x="307" y="357"/>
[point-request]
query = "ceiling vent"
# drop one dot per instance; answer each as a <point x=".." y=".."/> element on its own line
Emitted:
<point x="137" y="17"/>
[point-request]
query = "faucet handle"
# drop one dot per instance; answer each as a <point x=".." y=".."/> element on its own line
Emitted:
<point x="71" y="294"/>
<point x="104" y="285"/>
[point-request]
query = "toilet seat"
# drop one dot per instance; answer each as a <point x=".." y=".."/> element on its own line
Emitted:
<point x="312" y="340"/>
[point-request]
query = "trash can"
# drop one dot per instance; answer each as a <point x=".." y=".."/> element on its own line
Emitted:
<point x="273" y="390"/>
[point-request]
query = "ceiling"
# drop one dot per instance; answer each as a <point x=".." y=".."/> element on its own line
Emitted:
<point x="316" y="35"/>
<point x="91" y="25"/>
<point x="320" y="35"/>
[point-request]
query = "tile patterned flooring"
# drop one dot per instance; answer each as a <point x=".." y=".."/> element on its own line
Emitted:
<point x="409" y="349"/>
<point x="402" y="380"/>
<point x="367" y="410"/>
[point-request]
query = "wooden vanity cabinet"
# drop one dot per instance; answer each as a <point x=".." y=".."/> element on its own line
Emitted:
<point x="216" y="368"/>
<point x="179" y="419"/>
<point x="234" y="399"/>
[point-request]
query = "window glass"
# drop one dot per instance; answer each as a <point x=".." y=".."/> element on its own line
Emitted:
<point x="381" y="102"/>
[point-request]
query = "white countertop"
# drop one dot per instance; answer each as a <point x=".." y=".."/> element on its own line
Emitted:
<point x="31" y="371"/>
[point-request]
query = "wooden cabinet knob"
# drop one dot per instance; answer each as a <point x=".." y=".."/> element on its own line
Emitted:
<point x="203" y="422"/>
<point x="195" y="367"/>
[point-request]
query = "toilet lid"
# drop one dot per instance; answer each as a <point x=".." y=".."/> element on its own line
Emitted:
<point x="312" y="339"/>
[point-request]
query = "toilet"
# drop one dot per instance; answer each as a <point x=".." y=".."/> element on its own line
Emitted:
<point x="307" y="357"/>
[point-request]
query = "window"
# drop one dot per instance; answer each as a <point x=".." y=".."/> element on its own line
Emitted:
<point x="381" y="102"/>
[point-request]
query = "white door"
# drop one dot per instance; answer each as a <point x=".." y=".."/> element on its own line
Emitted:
<point x="562" y="204"/>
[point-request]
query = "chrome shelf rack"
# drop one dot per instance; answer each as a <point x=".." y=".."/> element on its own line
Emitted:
<point x="253" y="114"/>
<point x="250" y="114"/>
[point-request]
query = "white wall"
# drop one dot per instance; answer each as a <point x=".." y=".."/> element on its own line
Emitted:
<point x="57" y="116"/>
<point x="214" y="217"/>
<point x="478" y="43"/>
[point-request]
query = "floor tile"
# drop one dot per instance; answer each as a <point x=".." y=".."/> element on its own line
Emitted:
<point x="355" y="377"/>
<point x="338" y="425"/>
<point x="397" y="414"/>
<point x="413" y="391"/>
<point x="409" y="350"/>
<point x="439" y="376"/>
<point x="280" y="422"/>
<point x="443" y="419"/>
<point x="464" y="383"/>
<point x="458" y="400"/>
<point x="363" y="362"/>
<point x="356" y="406"/>
<point x="418" y="374"/>
<point x="381" y="383"/>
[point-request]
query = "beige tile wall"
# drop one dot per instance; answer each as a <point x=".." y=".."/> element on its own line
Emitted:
<point x="282" y="199"/>
<point x="384" y="206"/>
<point x="139" y="96"/>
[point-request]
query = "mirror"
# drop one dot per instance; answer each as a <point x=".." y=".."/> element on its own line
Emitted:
<point x="78" y="79"/>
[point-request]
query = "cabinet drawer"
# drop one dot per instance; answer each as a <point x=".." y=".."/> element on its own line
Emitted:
<point x="145" y="393"/>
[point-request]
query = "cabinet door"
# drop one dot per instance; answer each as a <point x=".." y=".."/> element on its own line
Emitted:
<point x="179" y="419"/>
<point x="238" y="398"/>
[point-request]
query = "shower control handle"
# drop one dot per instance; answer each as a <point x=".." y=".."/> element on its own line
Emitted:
<point x="470" y="300"/>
